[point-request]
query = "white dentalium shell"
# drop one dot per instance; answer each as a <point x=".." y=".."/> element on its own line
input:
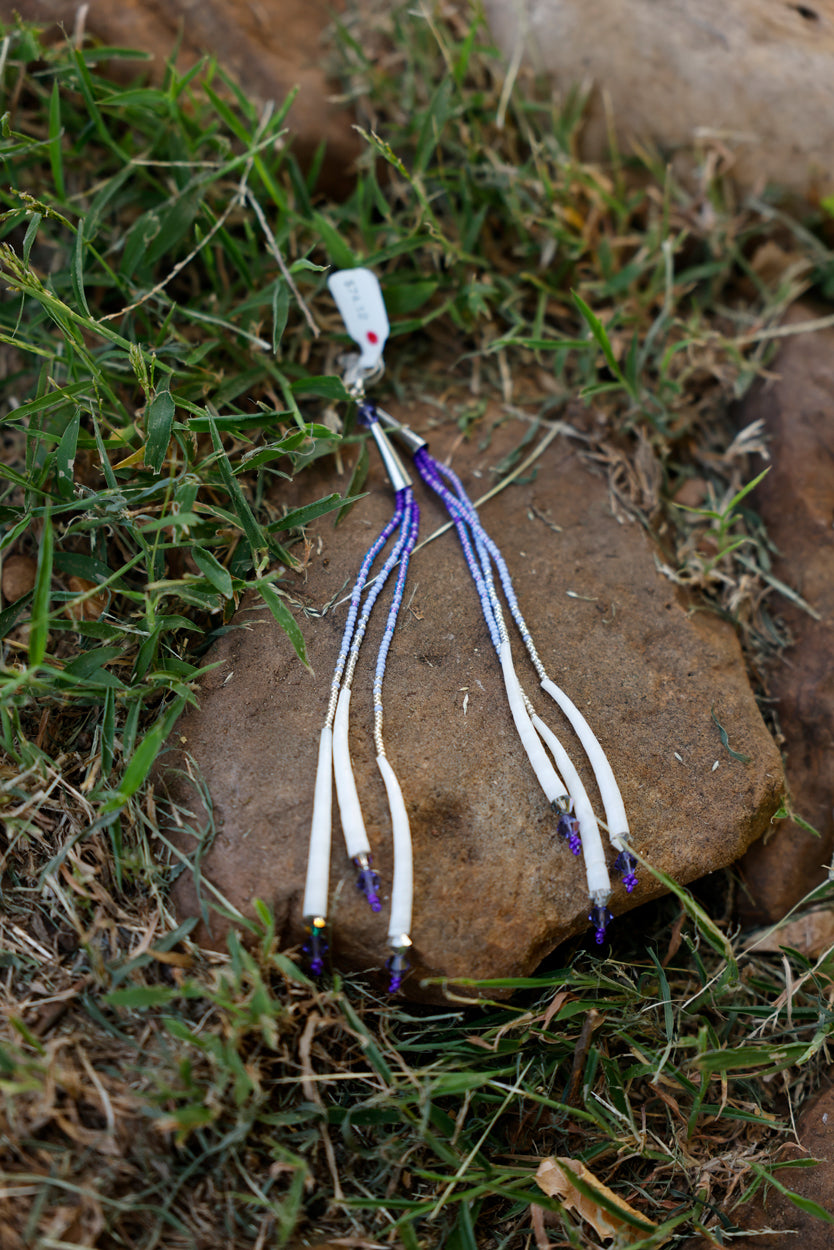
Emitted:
<point x="612" y="800"/>
<point x="402" y="886"/>
<point x="549" y="779"/>
<point x="353" y="826"/>
<point x="318" y="860"/>
<point x="593" y="852"/>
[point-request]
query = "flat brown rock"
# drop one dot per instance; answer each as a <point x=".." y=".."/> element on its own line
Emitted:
<point x="796" y="501"/>
<point x="754" y="78"/>
<point x="494" y="889"/>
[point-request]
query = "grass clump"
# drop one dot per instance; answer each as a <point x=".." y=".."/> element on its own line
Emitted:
<point x="169" y="359"/>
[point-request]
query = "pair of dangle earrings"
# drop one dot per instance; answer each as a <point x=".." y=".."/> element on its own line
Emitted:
<point x="359" y="300"/>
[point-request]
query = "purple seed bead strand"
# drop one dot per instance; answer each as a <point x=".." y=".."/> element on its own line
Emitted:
<point x="411" y="529"/>
<point x="400" y="554"/>
<point x="463" y="510"/>
<point x="495" y="553"/>
<point x="367" y="415"/>
<point x="379" y="582"/>
<point x="479" y="534"/>
<point x="625" y="863"/>
<point x="355" y="599"/>
<point x="500" y="563"/>
<point x="368" y="881"/>
<point x="425" y="465"/>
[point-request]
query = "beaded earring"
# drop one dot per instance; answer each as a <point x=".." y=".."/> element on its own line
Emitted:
<point x="334" y="753"/>
<point x="359" y="300"/>
<point x="573" y="808"/>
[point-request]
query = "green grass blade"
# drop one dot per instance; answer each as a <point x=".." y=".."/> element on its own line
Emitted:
<point x="601" y="336"/>
<point x="212" y="569"/>
<point x="30" y="236"/>
<point x="143" y="759"/>
<point x="280" y="313"/>
<point x="10" y="614"/>
<point x="65" y="457"/>
<point x="725" y="740"/>
<point x="77" y="271"/>
<point x="39" y="628"/>
<point x="259" y="542"/>
<point x="357" y="481"/>
<point x="285" y="619"/>
<point x="159" y="422"/>
<point x="299" y="517"/>
<point x="799" y="1201"/>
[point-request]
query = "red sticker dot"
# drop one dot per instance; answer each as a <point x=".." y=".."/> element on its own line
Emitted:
<point x="372" y="336"/>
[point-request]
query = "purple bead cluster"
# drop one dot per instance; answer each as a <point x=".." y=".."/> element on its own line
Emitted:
<point x="600" y="918"/>
<point x="315" y="948"/>
<point x="626" y="864"/>
<point x="397" y="966"/>
<point x="568" y="828"/>
<point x="366" y="413"/>
<point x="368" y="884"/>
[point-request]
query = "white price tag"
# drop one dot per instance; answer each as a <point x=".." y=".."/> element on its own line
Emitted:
<point x="359" y="299"/>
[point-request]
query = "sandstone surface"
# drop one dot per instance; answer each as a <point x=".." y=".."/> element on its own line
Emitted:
<point x="754" y="78"/>
<point x="495" y="889"/>
<point x="796" y="501"/>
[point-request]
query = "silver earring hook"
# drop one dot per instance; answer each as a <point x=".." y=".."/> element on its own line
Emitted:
<point x="356" y="377"/>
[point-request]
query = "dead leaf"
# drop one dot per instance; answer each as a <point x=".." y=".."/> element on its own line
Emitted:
<point x="556" y="1003"/>
<point x="305" y="1047"/>
<point x="691" y="493"/>
<point x="580" y="1053"/>
<point x="771" y="263"/>
<point x="19" y="573"/>
<point x="675" y="939"/>
<point x="537" y="1215"/>
<point x="811" y="934"/>
<point x="557" y="1177"/>
<point x="91" y="606"/>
